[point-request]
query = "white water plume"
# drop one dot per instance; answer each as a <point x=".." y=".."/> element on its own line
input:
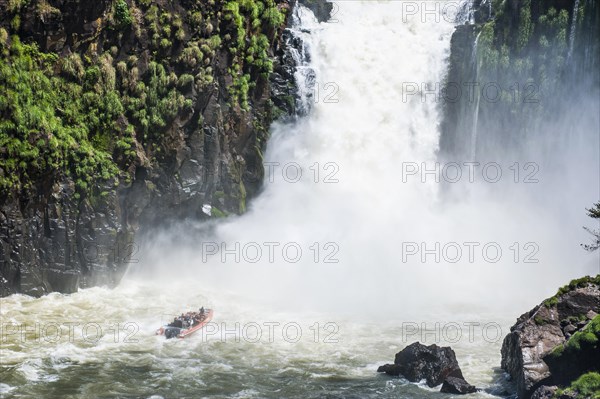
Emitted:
<point x="364" y="139"/>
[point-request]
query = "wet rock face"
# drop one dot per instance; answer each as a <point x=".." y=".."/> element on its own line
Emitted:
<point x="538" y="332"/>
<point x="544" y="392"/>
<point x="59" y="244"/>
<point x="210" y="154"/>
<point x="321" y="9"/>
<point x="479" y="129"/>
<point x="62" y="23"/>
<point x="418" y="362"/>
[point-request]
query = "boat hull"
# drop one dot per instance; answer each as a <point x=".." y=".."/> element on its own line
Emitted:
<point x="172" y="332"/>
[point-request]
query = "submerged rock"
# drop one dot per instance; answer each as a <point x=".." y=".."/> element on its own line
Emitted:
<point x="457" y="386"/>
<point x="418" y="362"/>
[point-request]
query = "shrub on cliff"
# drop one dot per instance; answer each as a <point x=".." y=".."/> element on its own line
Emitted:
<point x="588" y="386"/>
<point x="577" y="356"/>
<point x="573" y="284"/>
<point x="47" y="123"/>
<point x="122" y="14"/>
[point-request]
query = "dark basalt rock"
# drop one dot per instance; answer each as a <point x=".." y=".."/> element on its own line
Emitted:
<point x="544" y="392"/>
<point x="418" y="362"/>
<point x="457" y="386"/>
<point x="321" y="8"/>
<point x="390" y="369"/>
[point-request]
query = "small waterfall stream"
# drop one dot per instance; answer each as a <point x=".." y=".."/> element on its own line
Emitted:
<point x="573" y="30"/>
<point x="475" y="65"/>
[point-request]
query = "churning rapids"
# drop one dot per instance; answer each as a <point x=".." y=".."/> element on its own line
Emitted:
<point x="317" y="319"/>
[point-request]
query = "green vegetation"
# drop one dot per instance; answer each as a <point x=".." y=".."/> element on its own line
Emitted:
<point x="570" y="362"/>
<point x="217" y="213"/>
<point x="574" y="284"/>
<point x="594" y="213"/>
<point x="122" y="14"/>
<point x="588" y="386"/>
<point x="85" y="115"/>
<point x="250" y="52"/>
<point x="48" y="124"/>
<point x="586" y="340"/>
<point x="523" y="52"/>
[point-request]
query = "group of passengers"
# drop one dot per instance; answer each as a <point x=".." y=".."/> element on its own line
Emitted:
<point x="189" y="319"/>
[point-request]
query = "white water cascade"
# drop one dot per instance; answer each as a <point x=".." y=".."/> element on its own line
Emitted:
<point x="573" y="29"/>
<point x="353" y="202"/>
<point x="475" y="63"/>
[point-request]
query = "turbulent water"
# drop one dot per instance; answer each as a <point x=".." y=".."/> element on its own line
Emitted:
<point x="289" y="359"/>
<point x="323" y="266"/>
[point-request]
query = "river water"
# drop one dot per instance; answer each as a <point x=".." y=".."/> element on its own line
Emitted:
<point x="348" y="255"/>
<point x="100" y="343"/>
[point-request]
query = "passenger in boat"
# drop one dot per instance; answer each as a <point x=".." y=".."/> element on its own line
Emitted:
<point x="177" y="323"/>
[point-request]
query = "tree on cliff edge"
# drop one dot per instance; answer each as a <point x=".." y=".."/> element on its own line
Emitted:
<point x="593" y="212"/>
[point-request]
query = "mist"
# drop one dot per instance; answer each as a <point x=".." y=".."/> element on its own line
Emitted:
<point x="348" y="186"/>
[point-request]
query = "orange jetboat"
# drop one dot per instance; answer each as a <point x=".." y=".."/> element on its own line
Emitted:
<point x="182" y="328"/>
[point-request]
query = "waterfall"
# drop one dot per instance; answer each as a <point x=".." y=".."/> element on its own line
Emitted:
<point x="465" y="13"/>
<point x="573" y="29"/>
<point x="336" y="205"/>
<point x="475" y="66"/>
<point x="298" y="41"/>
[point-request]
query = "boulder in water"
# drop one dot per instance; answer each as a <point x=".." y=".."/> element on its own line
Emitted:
<point x="418" y="362"/>
<point x="530" y="351"/>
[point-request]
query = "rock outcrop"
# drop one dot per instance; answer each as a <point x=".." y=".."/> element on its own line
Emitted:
<point x="546" y="51"/>
<point x="321" y="9"/>
<point x="434" y="364"/>
<point x="544" y="392"/>
<point x="193" y="87"/>
<point x="539" y="332"/>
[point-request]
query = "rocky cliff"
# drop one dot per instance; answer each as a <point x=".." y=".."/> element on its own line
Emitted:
<point x="121" y="115"/>
<point x="555" y="342"/>
<point x="517" y="70"/>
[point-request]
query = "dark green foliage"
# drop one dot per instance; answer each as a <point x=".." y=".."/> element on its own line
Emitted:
<point x="574" y="284"/>
<point x="83" y="115"/>
<point x="577" y="356"/>
<point x="250" y="52"/>
<point x="48" y="125"/>
<point x="524" y="52"/>
<point x="122" y="14"/>
<point x="586" y="386"/>
<point x="594" y="212"/>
